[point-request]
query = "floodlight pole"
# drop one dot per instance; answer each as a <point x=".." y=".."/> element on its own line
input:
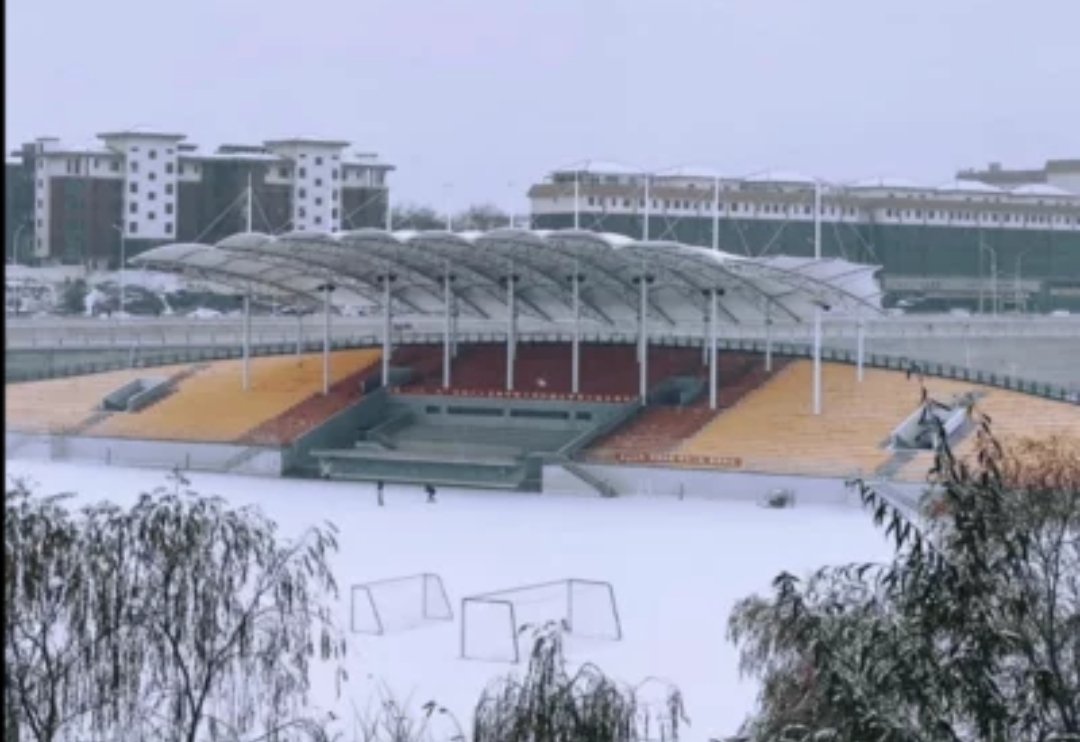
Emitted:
<point x="326" y="288"/>
<point x="447" y="329"/>
<point x="247" y="342"/>
<point x="577" y="199"/>
<point x="250" y="203"/>
<point x="817" y="308"/>
<point x="511" y="312"/>
<point x="575" y="347"/>
<point x="648" y="205"/>
<point x="768" y="336"/>
<point x="860" y="343"/>
<point x="387" y="348"/>
<point x="712" y="349"/>
<point x="716" y="215"/>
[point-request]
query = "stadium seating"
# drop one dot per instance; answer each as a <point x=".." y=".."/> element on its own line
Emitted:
<point x="212" y="407"/>
<point x="773" y="428"/>
<point x="660" y="428"/>
<point x="294" y="422"/>
<point x="61" y="405"/>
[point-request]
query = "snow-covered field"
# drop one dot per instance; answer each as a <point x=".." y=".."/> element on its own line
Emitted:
<point x="677" y="568"/>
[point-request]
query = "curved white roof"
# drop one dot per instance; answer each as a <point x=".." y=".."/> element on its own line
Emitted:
<point x="1041" y="189"/>
<point x="967" y="186"/>
<point x="543" y="263"/>
<point x="898" y="184"/>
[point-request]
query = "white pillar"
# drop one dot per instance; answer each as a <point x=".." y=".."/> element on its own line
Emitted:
<point x="387" y="349"/>
<point x="817" y="309"/>
<point x="575" y="347"/>
<point x="247" y="342"/>
<point x="859" y="350"/>
<point x="577" y="200"/>
<point x="712" y="349"/>
<point x="447" y="330"/>
<point x="510" y="326"/>
<point x="716" y="215"/>
<point x="326" y="341"/>
<point x="643" y="343"/>
<point x="768" y="337"/>
<point x="299" y="333"/>
<point x="648" y="206"/>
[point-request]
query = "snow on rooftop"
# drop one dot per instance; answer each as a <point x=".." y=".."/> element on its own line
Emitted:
<point x="886" y="182"/>
<point x="779" y="176"/>
<point x="967" y="186"/>
<point x="690" y="561"/>
<point x="1041" y="189"/>
<point x="691" y="171"/>
<point x="601" y="167"/>
<point x="257" y="156"/>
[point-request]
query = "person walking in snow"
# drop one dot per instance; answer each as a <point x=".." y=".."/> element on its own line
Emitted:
<point x="379" y="492"/>
<point x="430" y="489"/>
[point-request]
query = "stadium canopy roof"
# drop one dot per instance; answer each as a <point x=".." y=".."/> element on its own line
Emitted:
<point x="680" y="277"/>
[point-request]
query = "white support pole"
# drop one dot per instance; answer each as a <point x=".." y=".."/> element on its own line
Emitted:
<point x="859" y="350"/>
<point x="643" y="343"/>
<point x="247" y="342"/>
<point x="712" y="349"/>
<point x="648" y="206"/>
<point x="577" y="200"/>
<point x="447" y="330"/>
<point x="249" y="220"/>
<point x="575" y="348"/>
<point x="326" y="341"/>
<point x="387" y="349"/>
<point x="716" y="215"/>
<point x="511" y="310"/>
<point x="768" y="336"/>
<point x="299" y="333"/>
<point x="817" y="309"/>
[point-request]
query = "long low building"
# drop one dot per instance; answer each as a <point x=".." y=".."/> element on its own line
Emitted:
<point x="983" y="240"/>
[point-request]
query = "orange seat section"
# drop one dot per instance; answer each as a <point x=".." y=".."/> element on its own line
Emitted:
<point x="212" y="406"/>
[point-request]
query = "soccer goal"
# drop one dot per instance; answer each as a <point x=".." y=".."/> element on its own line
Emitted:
<point x="494" y="625"/>
<point x="398" y="604"/>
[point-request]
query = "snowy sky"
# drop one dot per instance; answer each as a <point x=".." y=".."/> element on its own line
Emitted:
<point x="474" y="99"/>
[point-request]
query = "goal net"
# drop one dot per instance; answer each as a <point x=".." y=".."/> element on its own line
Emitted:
<point x="398" y="604"/>
<point x="499" y="626"/>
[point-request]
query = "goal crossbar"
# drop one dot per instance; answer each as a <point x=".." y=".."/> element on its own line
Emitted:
<point x="506" y="598"/>
<point x="364" y="592"/>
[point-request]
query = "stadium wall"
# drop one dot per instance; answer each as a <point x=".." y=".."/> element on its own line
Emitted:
<point x="728" y="486"/>
<point x="143" y="454"/>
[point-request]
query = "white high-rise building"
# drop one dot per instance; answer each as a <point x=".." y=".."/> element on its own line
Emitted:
<point x="316" y="174"/>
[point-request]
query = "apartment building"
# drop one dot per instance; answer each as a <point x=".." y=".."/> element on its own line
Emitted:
<point x="132" y="190"/>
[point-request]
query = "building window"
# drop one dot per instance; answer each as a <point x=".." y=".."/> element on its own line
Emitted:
<point x="333" y="194"/>
<point x="40" y="223"/>
<point x="152" y="154"/>
<point x="301" y="193"/>
<point x="152" y="175"/>
<point x="181" y="168"/>
<point x="41" y="203"/>
<point x="318" y="220"/>
<point x="151" y="215"/>
<point x="301" y="212"/>
<point x="333" y="213"/>
<point x="133" y="188"/>
<point x="133" y="227"/>
<point x="97" y="163"/>
<point x="168" y="227"/>
<point x="302" y="172"/>
<point x="169" y="168"/>
<point x="318" y="201"/>
<point x="318" y="182"/>
<point x="318" y="160"/>
<point x="114" y="166"/>
<point x="151" y="196"/>
<point x="283" y="172"/>
<point x="133" y="207"/>
<point x="41" y="184"/>
<point x="333" y="174"/>
<point x="168" y="208"/>
<point x="168" y="189"/>
<point x="134" y="166"/>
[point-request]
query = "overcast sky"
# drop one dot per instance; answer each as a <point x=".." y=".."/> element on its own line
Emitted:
<point x="475" y="99"/>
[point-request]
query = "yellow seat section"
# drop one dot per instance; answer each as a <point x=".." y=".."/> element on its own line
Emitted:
<point x="58" y="405"/>
<point x="212" y="406"/>
<point x="773" y="428"/>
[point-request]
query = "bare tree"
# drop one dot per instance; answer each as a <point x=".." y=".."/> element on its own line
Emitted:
<point x="233" y="616"/>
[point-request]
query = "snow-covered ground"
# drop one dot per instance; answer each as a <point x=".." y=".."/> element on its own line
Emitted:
<point x="677" y="568"/>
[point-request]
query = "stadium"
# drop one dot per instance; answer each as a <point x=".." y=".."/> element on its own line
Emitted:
<point x="544" y="361"/>
<point x="617" y="431"/>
